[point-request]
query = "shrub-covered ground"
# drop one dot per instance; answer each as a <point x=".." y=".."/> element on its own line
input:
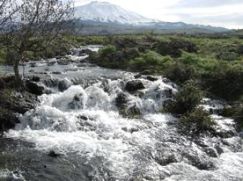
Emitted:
<point x="214" y="63"/>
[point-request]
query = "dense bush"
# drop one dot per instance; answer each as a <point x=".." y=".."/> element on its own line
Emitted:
<point x="229" y="56"/>
<point x="112" y="57"/>
<point x="125" y="42"/>
<point x="239" y="116"/>
<point x="186" y="100"/>
<point x="180" y="73"/>
<point x="225" y="82"/>
<point x="2" y="56"/>
<point x="150" y="60"/>
<point x="107" y="50"/>
<point x="240" y="49"/>
<point x="174" y="47"/>
<point x="195" y="123"/>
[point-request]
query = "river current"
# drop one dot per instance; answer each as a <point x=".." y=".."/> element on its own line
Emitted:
<point x="79" y="119"/>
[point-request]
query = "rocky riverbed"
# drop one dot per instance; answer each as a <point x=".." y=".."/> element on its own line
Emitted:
<point x="92" y="123"/>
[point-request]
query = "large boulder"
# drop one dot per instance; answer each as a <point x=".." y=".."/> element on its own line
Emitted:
<point x="84" y="52"/>
<point x="134" y="85"/>
<point x="8" y="119"/>
<point x="34" y="88"/>
<point x="64" y="85"/>
<point x="77" y="102"/>
<point x="151" y="78"/>
<point x="64" y="61"/>
<point x="13" y="103"/>
<point x="121" y="100"/>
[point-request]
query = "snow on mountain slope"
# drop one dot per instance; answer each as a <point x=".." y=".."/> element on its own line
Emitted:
<point x="107" y="12"/>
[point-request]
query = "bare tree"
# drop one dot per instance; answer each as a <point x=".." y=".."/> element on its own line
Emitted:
<point x="39" y="20"/>
<point x="7" y="9"/>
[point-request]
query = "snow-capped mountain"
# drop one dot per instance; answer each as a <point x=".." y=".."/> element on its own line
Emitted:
<point x="108" y="13"/>
<point x="106" y="18"/>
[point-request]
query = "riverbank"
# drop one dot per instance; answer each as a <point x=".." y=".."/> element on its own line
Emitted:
<point x="14" y="101"/>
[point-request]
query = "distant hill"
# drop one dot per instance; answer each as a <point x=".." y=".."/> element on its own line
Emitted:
<point x="106" y="18"/>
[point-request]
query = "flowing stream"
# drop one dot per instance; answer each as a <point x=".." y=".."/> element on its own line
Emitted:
<point x="80" y="120"/>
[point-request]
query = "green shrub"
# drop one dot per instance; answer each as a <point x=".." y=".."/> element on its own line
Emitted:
<point x="239" y="117"/>
<point x="240" y="49"/>
<point x="2" y="56"/>
<point x="186" y="100"/>
<point x="174" y="47"/>
<point x="189" y="58"/>
<point x="125" y="42"/>
<point x="225" y="82"/>
<point x="228" y="56"/>
<point x="150" y="60"/>
<point x="195" y="123"/>
<point x="107" y="50"/>
<point x="180" y="73"/>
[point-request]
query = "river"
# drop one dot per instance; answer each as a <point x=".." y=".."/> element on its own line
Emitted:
<point x="79" y="121"/>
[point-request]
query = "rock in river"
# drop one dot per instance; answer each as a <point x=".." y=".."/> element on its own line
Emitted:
<point x="134" y="85"/>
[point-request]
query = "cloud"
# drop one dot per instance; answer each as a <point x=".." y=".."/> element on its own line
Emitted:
<point x="206" y="3"/>
<point x="233" y="20"/>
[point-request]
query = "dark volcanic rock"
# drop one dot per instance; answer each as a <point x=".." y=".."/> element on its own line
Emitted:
<point x="53" y="154"/>
<point x="151" y="78"/>
<point x="51" y="82"/>
<point x="85" y="51"/>
<point x="34" y="88"/>
<point x="64" y="85"/>
<point x="121" y="100"/>
<point x="63" y="61"/>
<point x="35" y="79"/>
<point x="134" y="85"/>
<point x="77" y="102"/>
<point x="168" y="93"/>
<point x="137" y="76"/>
<point x="8" y="119"/>
<point x="51" y="63"/>
<point x="14" y="102"/>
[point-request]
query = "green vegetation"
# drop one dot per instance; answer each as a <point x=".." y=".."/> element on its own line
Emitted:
<point x="186" y="100"/>
<point x="216" y="63"/>
<point x="196" y="123"/>
<point x="193" y="120"/>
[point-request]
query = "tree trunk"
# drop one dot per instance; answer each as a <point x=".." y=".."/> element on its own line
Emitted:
<point x="18" y="80"/>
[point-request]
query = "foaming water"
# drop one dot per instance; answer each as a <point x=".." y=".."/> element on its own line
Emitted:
<point x="86" y="125"/>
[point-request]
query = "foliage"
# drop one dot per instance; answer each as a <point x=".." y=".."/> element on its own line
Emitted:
<point x="40" y="22"/>
<point x="186" y="100"/>
<point x="180" y="73"/>
<point x="229" y="56"/>
<point x="238" y="116"/>
<point x="225" y="81"/>
<point x="2" y="56"/>
<point x="107" y="50"/>
<point x="174" y="47"/>
<point x="150" y="60"/>
<point x="195" y="123"/>
<point x="240" y="49"/>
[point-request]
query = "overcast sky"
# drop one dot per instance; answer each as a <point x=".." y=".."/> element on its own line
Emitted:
<point x="226" y="13"/>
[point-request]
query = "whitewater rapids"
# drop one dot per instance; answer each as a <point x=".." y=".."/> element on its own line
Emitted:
<point x="95" y="141"/>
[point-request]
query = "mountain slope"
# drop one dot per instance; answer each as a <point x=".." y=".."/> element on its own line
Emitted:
<point x="107" y="12"/>
<point x="106" y="18"/>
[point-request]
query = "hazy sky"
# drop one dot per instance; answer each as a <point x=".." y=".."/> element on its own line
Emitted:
<point x="227" y="13"/>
